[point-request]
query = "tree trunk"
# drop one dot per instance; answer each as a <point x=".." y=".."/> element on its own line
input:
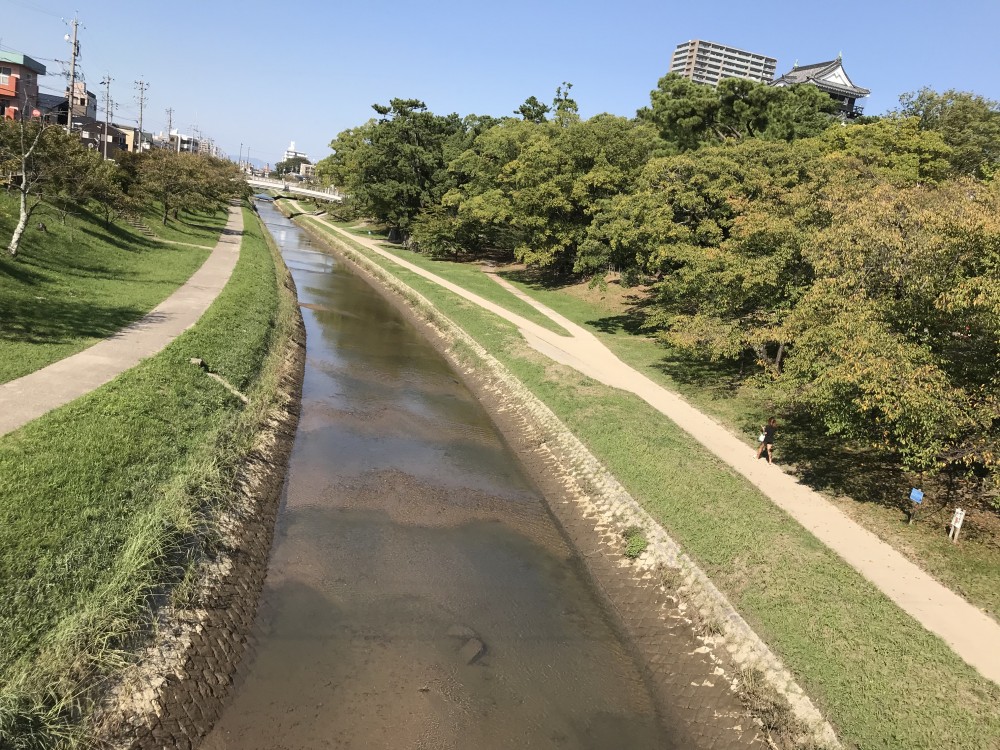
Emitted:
<point x="164" y="213"/>
<point x="22" y="223"/>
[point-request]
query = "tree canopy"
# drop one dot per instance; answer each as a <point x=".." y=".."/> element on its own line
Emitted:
<point x="45" y="166"/>
<point x="853" y="264"/>
<point x="395" y="166"/>
<point x="187" y="181"/>
<point x="689" y="115"/>
<point x="290" y="166"/>
<point x="967" y="122"/>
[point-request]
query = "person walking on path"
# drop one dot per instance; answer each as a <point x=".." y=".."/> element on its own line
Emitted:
<point x="767" y="439"/>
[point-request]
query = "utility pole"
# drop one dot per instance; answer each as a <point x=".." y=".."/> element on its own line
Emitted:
<point x="239" y="163"/>
<point x="106" y="83"/>
<point x="74" y="50"/>
<point x="142" y="86"/>
<point x="170" y="122"/>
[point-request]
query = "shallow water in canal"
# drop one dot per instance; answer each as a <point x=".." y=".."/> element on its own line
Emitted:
<point x="419" y="593"/>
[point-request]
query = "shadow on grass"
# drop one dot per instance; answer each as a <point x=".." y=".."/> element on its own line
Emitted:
<point x="199" y="225"/>
<point x="825" y="462"/>
<point x="828" y="463"/>
<point x="121" y="239"/>
<point x="629" y="323"/>
<point x="60" y="320"/>
<point x="14" y="269"/>
<point x="538" y="279"/>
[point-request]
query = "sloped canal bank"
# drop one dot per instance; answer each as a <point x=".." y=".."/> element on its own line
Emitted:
<point x="419" y="593"/>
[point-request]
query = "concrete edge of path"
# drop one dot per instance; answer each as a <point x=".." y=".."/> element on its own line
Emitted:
<point x="966" y="629"/>
<point x="29" y="397"/>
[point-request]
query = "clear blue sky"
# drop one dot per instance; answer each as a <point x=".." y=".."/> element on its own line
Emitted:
<point x="265" y="73"/>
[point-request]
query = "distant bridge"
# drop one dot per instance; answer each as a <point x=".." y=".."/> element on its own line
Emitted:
<point x="327" y="194"/>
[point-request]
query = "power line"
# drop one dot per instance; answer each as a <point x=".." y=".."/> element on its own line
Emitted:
<point x="35" y="8"/>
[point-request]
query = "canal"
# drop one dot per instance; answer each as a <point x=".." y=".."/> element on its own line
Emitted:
<point x="419" y="593"/>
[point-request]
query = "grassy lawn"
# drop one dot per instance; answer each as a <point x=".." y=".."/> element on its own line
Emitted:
<point x="882" y="680"/>
<point x="78" y="283"/>
<point x="872" y="493"/>
<point x="106" y="497"/>
<point x="192" y="227"/>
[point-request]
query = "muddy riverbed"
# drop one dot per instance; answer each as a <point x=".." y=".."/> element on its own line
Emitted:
<point x="420" y="594"/>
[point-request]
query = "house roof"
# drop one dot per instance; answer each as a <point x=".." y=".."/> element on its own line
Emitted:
<point x="828" y="76"/>
<point x="50" y="102"/>
<point x="16" y="58"/>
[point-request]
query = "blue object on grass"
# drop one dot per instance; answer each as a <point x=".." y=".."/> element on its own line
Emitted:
<point x="916" y="495"/>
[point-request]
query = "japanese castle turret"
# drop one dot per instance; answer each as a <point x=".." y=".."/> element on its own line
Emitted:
<point x="831" y="78"/>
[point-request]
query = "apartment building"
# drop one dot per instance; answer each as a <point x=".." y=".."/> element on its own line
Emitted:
<point x="19" y="85"/>
<point x="709" y="62"/>
<point x="291" y="153"/>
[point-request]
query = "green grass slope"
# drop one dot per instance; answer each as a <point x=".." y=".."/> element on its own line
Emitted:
<point x="77" y="283"/>
<point x="102" y="497"/>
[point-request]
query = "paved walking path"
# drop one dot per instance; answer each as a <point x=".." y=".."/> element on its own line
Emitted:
<point x="969" y="631"/>
<point x="33" y="395"/>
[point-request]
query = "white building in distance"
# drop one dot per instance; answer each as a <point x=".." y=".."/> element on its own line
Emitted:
<point x="291" y="153"/>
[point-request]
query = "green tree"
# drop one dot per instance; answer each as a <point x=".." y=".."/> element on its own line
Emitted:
<point x="344" y="164"/>
<point x="533" y="188"/>
<point x="724" y="231"/>
<point x="689" y="115"/>
<point x="533" y="110"/>
<point x="396" y="165"/>
<point x="968" y="123"/>
<point x="684" y="112"/>
<point x="186" y="181"/>
<point x="892" y="149"/>
<point x="897" y="343"/>
<point x="47" y="166"/>
<point x="290" y="166"/>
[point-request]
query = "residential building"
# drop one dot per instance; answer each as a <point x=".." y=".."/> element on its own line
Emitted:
<point x="307" y="170"/>
<point x="833" y="79"/>
<point x="84" y="102"/>
<point x="52" y="108"/>
<point x="291" y="153"/>
<point x="94" y="133"/>
<point x="709" y="62"/>
<point x="19" y="86"/>
<point x="133" y="141"/>
<point x="181" y="142"/>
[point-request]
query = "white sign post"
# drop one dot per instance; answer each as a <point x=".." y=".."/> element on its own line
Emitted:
<point x="956" y="524"/>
